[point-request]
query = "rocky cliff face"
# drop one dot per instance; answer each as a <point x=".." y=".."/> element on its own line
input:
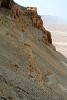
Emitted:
<point x="37" y="22"/>
<point x="29" y="67"/>
<point x="19" y="20"/>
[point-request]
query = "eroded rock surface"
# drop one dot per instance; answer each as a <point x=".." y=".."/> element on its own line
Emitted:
<point x="30" y="67"/>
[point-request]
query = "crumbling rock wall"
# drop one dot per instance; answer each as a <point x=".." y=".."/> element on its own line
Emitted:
<point x="10" y="4"/>
<point x="15" y="11"/>
<point x="49" y="37"/>
<point x="35" y="18"/>
<point x="11" y="11"/>
<point x="37" y="22"/>
<point x="20" y="23"/>
<point x="31" y="11"/>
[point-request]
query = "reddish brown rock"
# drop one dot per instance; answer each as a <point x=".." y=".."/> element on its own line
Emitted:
<point x="35" y="18"/>
<point x="46" y="37"/>
<point x="17" y="20"/>
<point x="49" y="37"/>
<point x="9" y="4"/>
<point x="15" y="11"/>
<point x="37" y="21"/>
<point x="19" y="23"/>
<point x="31" y="11"/>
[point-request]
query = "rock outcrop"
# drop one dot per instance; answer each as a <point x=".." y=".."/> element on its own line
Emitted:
<point x="38" y="23"/>
<point x="49" y="37"/>
<point x="10" y="4"/>
<point x="10" y="9"/>
<point x="35" y="18"/>
<point x="31" y="11"/>
<point x="19" y="21"/>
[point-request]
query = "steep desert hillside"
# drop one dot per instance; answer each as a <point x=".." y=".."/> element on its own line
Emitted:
<point x="30" y="66"/>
